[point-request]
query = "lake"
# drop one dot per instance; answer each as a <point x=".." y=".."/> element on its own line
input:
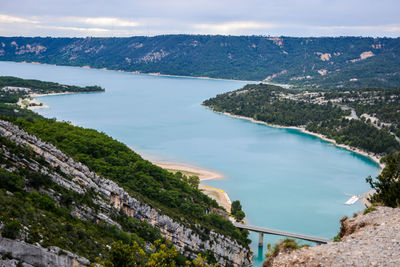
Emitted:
<point x="284" y="179"/>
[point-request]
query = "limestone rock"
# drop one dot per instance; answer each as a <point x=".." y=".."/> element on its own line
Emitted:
<point x="31" y="255"/>
<point x="372" y="239"/>
<point x="227" y="250"/>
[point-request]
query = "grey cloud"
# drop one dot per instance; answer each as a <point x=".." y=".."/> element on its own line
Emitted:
<point x="131" y="17"/>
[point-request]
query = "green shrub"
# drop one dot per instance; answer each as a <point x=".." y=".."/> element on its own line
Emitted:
<point x="11" y="229"/>
<point x="387" y="184"/>
<point x="288" y="244"/>
<point x="10" y="181"/>
<point x="369" y="209"/>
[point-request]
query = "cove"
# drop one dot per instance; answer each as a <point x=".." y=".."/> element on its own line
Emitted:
<point x="285" y="179"/>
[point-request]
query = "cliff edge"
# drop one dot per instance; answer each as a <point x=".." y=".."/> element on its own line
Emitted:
<point x="371" y="239"/>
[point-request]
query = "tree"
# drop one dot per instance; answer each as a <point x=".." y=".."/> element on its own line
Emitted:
<point x="236" y="206"/>
<point x="124" y="255"/>
<point x="11" y="229"/>
<point x="387" y="185"/>
<point x="164" y="256"/>
<point x="194" y="181"/>
<point x="236" y="211"/>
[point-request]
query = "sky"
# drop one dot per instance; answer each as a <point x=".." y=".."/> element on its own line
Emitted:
<point x="105" y="18"/>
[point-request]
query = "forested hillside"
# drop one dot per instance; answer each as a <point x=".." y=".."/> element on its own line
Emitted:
<point x="363" y="118"/>
<point x="342" y="62"/>
<point x="93" y="196"/>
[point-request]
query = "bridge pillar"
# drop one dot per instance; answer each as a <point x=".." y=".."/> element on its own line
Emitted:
<point x="260" y="239"/>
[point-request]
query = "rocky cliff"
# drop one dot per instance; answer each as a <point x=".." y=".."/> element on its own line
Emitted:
<point x="372" y="239"/>
<point x="16" y="252"/>
<point x="113" y="197"/>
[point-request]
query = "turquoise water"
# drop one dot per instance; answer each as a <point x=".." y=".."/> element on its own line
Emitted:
<point x="284" y="179"/>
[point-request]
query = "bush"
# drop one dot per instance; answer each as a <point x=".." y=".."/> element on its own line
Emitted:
<point x="387" y="185"/>
<point x="369" y="209"/>
<point x="11" y="230"/>
<point x="10" y="181"/>
<point x="236" y="211"/>
<point x="286" y="245"/>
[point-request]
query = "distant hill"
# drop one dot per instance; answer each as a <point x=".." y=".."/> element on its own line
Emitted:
<point x="330" y="63"/>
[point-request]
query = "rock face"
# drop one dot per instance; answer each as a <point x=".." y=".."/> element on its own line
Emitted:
<point x="372" y="239"/>
<point x="227" y="251"/>
<point x="31" y="255"/>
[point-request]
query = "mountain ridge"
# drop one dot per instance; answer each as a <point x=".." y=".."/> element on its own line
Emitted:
<point x="321" y="62"/>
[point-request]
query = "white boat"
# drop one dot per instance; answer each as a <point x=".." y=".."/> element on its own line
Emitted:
<point x="352" y="200"/>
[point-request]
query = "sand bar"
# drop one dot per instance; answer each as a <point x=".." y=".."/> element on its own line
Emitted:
<point x="32" y="103"/>
<point x="217" y="194"/>
<point x="201" y="173"/>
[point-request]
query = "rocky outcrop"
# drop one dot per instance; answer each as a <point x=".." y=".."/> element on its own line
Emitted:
<point x="372" y="239"/>
<point x="227" y="251"/>
<point x="16" y="252"/>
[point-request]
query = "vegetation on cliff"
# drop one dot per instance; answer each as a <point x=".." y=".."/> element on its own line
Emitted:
<point x="35" y="209"/>
<point x="170" y="193"/>
<point x="387" y="184"/>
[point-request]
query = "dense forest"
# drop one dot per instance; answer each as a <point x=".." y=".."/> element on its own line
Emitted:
<point x="335" y="63"/>
<point x="36" y="210"/>
<point x="375" y="127"/>
<point x="41" y="87"/>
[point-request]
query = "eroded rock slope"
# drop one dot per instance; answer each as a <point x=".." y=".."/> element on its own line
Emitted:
<point x="372" y="239"/>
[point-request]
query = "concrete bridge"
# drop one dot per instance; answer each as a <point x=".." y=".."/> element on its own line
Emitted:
<point x="261" y="231"/>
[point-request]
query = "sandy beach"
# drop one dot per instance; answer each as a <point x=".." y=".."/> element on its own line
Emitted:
<point x="189" y="170"/>
<point x="32" y="103"/>
<point x="219" y="195"/>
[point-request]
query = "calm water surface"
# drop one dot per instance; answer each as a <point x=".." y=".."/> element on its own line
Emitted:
<point x="284" y="179"/>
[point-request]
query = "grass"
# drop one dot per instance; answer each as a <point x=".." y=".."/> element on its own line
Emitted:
<point x="285" y="245"/>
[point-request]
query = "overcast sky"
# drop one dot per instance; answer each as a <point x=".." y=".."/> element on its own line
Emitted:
<point x="235" y="17"/>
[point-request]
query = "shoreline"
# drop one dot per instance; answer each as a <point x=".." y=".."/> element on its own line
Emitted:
<point x="364" y="197"/>
<point x="217" y="194"/>
<point x="203" y="174"/>
<point x="33" y="95"/>
<point x="359" y="151"/>
<point x="32" y="99"/>
<point x="144" y="73"/>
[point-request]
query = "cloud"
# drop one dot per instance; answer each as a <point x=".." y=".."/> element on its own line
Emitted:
<point x="145" y="20"/>
<point x="375" y="30"/>
<point x="78" y="29"/>
<point x="105" y="21"/>
<point x="13" y="19"/>
<point x="233" y="27"/>
<point x="67" y="26"/>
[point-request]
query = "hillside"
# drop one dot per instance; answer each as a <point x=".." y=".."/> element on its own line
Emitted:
<point x="70" y="194"/>
<point x="342" y="62"/>
<point x="367" y="119"/>
<point x="372" y="239"/>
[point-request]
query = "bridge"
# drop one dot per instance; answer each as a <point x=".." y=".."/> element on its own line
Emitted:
<point x="261" y="231"/>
